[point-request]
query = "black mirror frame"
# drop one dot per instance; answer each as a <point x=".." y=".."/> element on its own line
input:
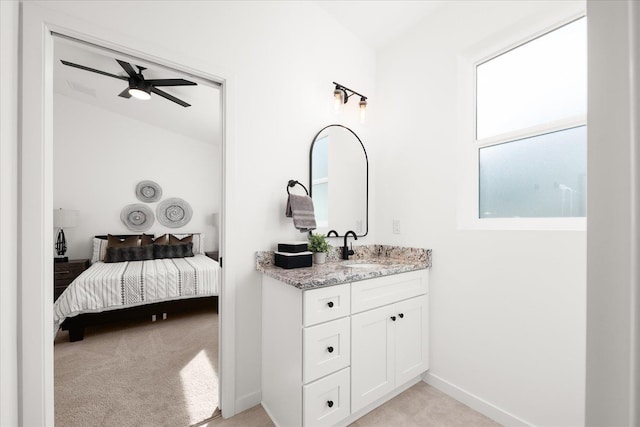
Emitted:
<point x="366" y="157"/>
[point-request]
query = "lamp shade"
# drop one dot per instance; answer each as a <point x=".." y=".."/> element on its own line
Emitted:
<point x="65" y="218"/>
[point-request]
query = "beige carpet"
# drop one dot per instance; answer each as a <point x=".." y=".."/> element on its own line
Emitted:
<point x="139" y="374"/>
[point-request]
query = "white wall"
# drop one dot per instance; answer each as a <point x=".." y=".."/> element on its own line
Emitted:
<point x="100" y="156"/>
<point x="9" y="212"/>
<point x="510" y="365"/>
<point x="613" y="291"/>
<point x="282" y="58"/>
<point x="507" y="307"/>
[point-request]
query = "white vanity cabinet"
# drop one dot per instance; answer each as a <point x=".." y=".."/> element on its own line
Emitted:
<point x="330" y="352"/>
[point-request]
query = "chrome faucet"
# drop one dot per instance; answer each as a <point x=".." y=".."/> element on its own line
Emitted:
<point x="345" y="250"/>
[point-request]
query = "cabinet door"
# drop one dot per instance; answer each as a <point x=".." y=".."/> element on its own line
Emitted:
<point x="411" y="338"/>
<point x="372" y="356"/>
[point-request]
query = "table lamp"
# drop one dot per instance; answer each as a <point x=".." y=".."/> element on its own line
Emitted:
<point x="63" y="218"/>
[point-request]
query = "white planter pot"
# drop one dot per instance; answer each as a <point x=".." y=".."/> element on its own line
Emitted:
<point x="319" y="257"/>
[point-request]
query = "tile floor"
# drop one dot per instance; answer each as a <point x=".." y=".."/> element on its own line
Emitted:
<point x="421" y="405"/>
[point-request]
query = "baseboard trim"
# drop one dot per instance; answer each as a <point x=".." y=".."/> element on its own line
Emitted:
<point x="488" y="409"/>
<point x="248" y="401"/>
<point x="266" y="409"/>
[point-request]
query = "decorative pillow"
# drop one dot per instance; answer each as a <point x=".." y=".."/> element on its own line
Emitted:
<point x="146" y="239"/>
<point x="173" y="240"/>
<point x="197" y="239"/>
<point x="161" y="240"/>
<point x="99" y="250"/>
<point x="116" y="242"/>
<point x="129" y="253"/>
<point x="180" y="250"/>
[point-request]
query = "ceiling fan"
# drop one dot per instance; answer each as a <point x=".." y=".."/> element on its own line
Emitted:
<point x="139" y="87"/>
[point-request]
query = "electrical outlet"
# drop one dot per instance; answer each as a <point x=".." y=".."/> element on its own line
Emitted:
<point x="396" y="226"/>
<point x="359" y="226"/>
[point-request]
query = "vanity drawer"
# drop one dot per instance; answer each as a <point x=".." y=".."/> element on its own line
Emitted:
<point x="324" y="304"/>
<point x="380" y="291"/>
<point x="326" y="401"/>
<point x="326" y="348"/>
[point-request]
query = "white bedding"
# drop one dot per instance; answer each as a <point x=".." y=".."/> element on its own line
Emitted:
<point x="109" y="286"/>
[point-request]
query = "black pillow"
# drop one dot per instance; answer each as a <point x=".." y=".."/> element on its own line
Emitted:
<point x="131" y="253"/>
<point x="181" y="250"/>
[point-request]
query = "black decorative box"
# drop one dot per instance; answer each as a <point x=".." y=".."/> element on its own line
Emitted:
<point x="293" y="247"/>
<point x="293" y="260"/>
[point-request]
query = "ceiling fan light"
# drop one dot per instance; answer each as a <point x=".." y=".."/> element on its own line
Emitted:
<point x="139" y="93"/>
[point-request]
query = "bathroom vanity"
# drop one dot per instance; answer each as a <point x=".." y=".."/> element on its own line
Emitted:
<point x="341" y="338"/>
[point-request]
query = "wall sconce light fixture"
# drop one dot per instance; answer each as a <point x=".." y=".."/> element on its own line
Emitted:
<point x="341" y="96"/>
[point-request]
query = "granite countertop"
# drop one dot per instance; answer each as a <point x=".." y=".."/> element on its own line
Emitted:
<point x="374" y="261"/>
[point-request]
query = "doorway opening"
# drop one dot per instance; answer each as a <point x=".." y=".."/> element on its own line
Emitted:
<point x="104" y="145"/>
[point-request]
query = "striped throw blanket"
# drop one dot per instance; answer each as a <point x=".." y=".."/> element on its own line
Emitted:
<point x="109" y="286"/>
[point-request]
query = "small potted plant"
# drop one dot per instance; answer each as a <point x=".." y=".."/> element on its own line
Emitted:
<point x="319" y="246"/>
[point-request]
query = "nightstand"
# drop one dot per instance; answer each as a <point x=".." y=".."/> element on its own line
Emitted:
<point x="65" y="272"/>
<point x="212" y="255"/>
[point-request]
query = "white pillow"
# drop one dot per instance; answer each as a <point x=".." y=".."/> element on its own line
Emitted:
<point x="99" y="250"/>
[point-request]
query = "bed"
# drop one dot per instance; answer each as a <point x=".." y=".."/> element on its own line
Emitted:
<point x="114" y="291"/>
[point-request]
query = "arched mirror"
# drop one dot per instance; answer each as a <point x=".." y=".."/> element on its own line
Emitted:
<point x="339" y="181"/>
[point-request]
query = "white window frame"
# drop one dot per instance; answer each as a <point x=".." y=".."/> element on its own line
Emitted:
<point x="469" y="147"/>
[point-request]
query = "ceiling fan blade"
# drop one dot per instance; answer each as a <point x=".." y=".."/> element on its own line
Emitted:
<point x="169" y="97"/>
<point x="125" y="93"/>
<point x="93" y="70"/>
<point x="128" y="68"/>
<point x="171" y="82"/>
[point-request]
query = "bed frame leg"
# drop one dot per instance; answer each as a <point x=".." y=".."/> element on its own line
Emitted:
<point x="76" y="333"/>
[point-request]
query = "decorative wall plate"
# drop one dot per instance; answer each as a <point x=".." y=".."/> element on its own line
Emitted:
<point x="148" y="191"/>
<point x="137" y="217"/>
<point x="174" y="212"/>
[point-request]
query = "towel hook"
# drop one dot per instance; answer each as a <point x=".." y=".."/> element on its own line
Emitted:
<point x="293" y="183"/>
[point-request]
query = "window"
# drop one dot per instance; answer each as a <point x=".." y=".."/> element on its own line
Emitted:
<point x="530" y="127"/>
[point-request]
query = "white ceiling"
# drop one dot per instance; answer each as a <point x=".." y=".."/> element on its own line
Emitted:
<point x="377" y="22"/>
<point x="374" y="22"/>
<point x="200" y="121"/>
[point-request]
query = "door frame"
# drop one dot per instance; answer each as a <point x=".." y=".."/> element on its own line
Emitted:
<point x="35" y="241"/>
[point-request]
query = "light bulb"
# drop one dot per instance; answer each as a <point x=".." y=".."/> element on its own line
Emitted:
<point x="139" y="94"/>
<point x="337" y="100"/>
<point x="363" y="109"/>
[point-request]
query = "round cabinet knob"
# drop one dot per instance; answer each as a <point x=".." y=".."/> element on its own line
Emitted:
<point x="330" y="403"/>
<point x="330" y="349"/>
<point x="393" y="318"/>
<point x="401" y="315"/>
<point x="330" y="304"/>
